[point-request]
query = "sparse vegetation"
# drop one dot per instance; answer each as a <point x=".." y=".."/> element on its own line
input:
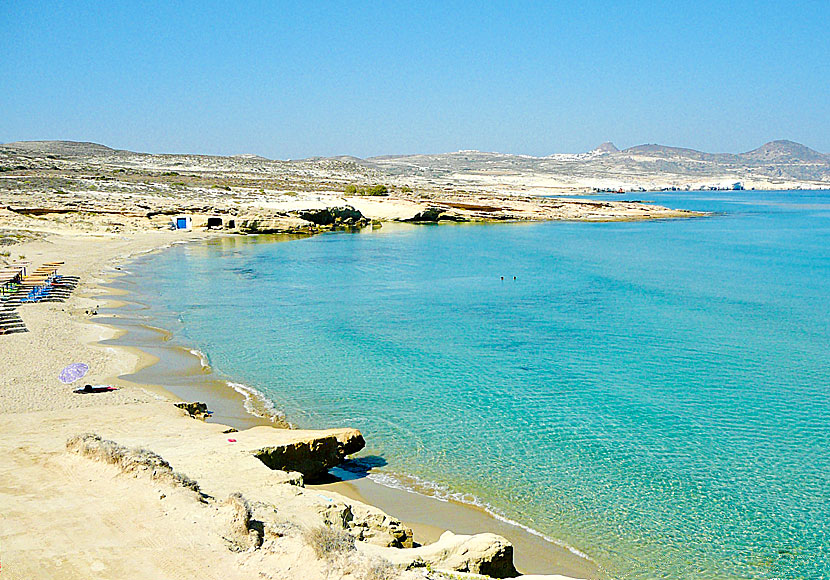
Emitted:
<point x="244" y="533"/>
<point x="379" y="570"/>
<point x="373" y="190"/>
<point x="135" y="461"/>
<point x="329" y="543"/>
<point x="377" y="190"/>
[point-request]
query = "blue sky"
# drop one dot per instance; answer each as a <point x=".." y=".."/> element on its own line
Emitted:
<point x="292" y="79"/>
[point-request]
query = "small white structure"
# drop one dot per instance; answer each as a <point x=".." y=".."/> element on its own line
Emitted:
<point x="181" y="222"/>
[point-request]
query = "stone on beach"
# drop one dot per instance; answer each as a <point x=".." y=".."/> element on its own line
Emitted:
<point x="311" y="455"/>
<point x="486" y="554"/>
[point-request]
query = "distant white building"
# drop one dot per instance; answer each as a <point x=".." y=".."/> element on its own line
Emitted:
<point x="181" y="222"/>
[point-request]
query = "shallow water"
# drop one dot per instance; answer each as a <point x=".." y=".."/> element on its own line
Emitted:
<point x="654" y="394"/>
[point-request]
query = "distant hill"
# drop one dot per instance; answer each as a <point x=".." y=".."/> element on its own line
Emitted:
<point x="777" y="164"/>
<point x="61" y="147"/>
<point x="677" y="153"/>
<point x="785" y="151"/>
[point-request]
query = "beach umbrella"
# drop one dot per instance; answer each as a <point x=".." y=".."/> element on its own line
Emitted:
<point x="73" y="372"/>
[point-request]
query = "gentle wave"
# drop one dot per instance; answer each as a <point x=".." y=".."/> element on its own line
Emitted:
<point x="427" y="488"/>
<point x="203" y="358"/>
<point x="256" y="403"/>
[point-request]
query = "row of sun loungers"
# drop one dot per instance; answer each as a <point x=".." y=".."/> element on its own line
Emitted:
<point x="17" y="287"/>
<point x="10" y="321"/>
<point x="11" y="277"/>
<point x="44" y="285"/>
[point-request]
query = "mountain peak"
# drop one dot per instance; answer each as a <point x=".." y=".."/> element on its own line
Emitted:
<point x="783" y="150"/>
<point x="606" y="147"/>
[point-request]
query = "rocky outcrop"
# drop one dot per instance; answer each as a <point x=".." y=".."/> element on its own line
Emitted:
<point x="273" y="224"/>
<point x="366" y="524"/>
<point x="334" y="216"/>
<point x="437" y="214"/>
<point x="430" y="214"/>
<point x="314" y="456"/>
<point x="195" y="409"/>
<point x="486" y="554"/>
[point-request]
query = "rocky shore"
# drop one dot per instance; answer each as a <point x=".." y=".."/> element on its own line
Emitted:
<point x="90" y="187"/>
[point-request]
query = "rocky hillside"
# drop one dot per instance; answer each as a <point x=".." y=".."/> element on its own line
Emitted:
<point x="774" y="165"/>
<point x="777" y="164"/>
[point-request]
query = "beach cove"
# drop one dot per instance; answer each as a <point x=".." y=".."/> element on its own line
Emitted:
<point x="31" y="396"/>
<point x="230" y="405"/>
<point x="760" y="278"/>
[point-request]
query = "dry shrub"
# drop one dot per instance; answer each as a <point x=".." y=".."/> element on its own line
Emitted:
<point x="379" y="570"/>
<point x="241" y="520"/>
<point x="134" y="461"/>
<point x="245" y="532"/>
<point x="328" y="542"/>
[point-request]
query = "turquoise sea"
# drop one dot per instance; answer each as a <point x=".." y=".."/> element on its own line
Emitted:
<point x="653" y="394"/>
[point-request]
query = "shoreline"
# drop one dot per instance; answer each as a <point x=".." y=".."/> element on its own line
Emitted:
<point x="163" y="363"/>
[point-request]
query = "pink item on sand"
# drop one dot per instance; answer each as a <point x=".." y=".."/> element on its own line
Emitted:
<point x="232" y="440"/>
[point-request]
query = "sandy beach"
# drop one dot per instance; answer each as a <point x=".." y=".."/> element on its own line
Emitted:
<point x="66" y="515"/>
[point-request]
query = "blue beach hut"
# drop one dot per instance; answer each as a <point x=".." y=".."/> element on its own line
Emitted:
<point x="182" y="222"/>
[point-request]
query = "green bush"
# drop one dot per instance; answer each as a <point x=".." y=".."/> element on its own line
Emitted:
<point x="377" y="190"/>
<point x="351" y="189"/>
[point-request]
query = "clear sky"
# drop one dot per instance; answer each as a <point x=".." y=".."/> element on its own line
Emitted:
<point x="296" y="79"/>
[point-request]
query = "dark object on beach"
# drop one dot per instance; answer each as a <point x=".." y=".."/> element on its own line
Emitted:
<point x="87" y="389"/>
<point x="195" y="409"/>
